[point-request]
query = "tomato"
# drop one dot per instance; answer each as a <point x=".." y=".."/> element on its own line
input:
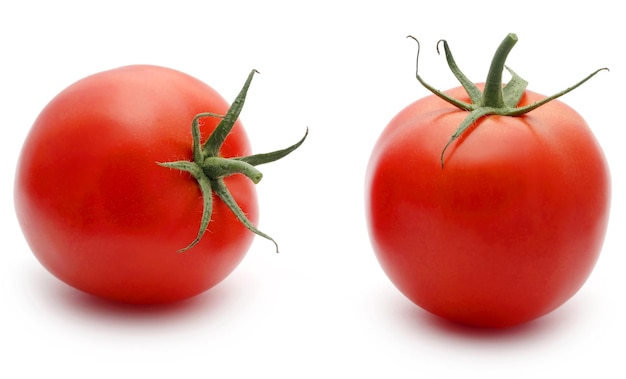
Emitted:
<point x="99" y="211"/>
<point x="503" y="227"/>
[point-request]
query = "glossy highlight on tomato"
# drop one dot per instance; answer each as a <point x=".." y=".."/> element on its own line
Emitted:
<point x="504" y="226"/>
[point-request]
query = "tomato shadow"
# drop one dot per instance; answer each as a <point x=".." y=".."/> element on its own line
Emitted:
<point x="556" y="323"/>
<point x="450" y="328"/>
<point x="94" y="305"/>
<point x="51" y="295"/>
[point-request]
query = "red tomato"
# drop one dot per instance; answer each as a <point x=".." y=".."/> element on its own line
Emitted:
<point x="508" y="230"/>
<point x="99" y="212"/>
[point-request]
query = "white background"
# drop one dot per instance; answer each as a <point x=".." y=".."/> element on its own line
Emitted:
<point x="322" y="308"/>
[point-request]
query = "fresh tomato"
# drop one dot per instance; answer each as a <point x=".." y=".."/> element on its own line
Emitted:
<point x="114" y="190"/>
<point x="488" y="217"/>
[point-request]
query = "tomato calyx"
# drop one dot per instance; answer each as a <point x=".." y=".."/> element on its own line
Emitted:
<point x="496" y="99"/>
<point x="209" y="169"/>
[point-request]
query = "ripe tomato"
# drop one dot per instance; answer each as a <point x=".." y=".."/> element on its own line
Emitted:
<point x="508" y="229"/>
<point x="98" y="211"/>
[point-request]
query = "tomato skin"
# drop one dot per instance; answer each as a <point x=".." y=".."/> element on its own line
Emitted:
<point x="98" y="211"/>
<point x="508" y="230"/>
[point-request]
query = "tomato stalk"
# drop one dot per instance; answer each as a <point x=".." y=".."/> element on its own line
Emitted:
<point x="496" y="99"/>
<point x="209" y="169"/>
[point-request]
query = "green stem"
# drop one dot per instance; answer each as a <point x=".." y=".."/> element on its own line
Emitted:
<point x="492" y="95"/>
<point x="218" y="168"/>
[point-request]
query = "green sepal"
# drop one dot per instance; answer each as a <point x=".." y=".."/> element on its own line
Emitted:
<point x="473" y="116"/>
<point x="221" y="190"/>
<point x="204" y="183"/>
<point x="258" y="159"/>
<point x="514" y="89"/>
<point x="222" y="130"/>
<point x="457" y="103"/>
<point x="469" y="86"/>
